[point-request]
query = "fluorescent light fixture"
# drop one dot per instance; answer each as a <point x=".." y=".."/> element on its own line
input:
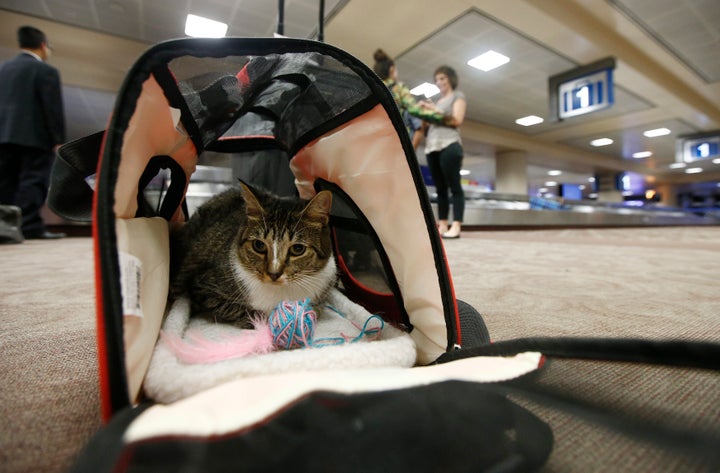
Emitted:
<point x="656" y="132"/>
<point x="716" y="161"/>
<point x="601" y="142"/>
<point x="464" y="172"/>
<point x="642" y="154"/>
<point x="200" y="27"/>
<point x="677" y="165"/>
<point x="554" y="172"/>
<point x="530" y="120"/>
<point x="551" y="183"/>
<point x="488" y="61"/>
<point x="693" y="170"/>
<point x="426" y="88"/>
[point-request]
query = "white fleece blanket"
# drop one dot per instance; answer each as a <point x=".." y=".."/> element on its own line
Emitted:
<point x="170" y="379"/>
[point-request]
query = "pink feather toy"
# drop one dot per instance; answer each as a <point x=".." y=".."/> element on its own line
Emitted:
<point x="290" y="325"/>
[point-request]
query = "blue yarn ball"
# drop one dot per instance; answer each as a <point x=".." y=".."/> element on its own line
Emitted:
<point x="292" y="324"/>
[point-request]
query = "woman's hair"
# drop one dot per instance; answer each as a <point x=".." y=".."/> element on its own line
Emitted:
<point x="383" y="63"/>
<point x="450" y="74"/>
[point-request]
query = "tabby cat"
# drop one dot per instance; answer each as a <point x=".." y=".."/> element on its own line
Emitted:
<point x="246" y="250"/>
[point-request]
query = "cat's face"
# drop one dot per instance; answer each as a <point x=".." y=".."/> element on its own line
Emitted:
<point x="285" y="248"/>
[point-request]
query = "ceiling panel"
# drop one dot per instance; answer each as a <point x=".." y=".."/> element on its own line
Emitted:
<point x="514" y="90"/>
<point x="690" y="29"/>
<point x="630" y="140"/>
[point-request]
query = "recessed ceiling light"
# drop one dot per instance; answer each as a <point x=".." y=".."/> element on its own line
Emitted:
<point x="642" y="154"/>
<point x="693" y="170"/>
<point x="656" y="132"/>
<point x="601" y="142"/>
<point x="464" y="172"/>
<point x="426" y="88"/>
<point x="554" y="172"/>
<point x="488" y="61"/>
<point x="551" y="183"/>
<point x="200" y="27"/>
<point x="591" y="179"/>
<point x="529" y="120"/>
<point x="677" y="165"/>
<point x="716" y="161"/>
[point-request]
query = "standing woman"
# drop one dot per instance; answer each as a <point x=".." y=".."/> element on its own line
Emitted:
<point x="413" y="111"/>
<point x="444" y="152"/>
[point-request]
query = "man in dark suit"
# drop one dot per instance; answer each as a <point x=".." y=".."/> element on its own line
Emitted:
<point x="32" y="127"/>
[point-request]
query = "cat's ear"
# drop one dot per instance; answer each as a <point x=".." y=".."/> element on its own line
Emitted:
<point x="318" y="209"/>
<point x="253" y="209"/>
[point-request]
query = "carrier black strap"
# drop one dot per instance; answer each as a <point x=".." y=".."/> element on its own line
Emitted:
<point x="174" y="196"/>
<point x="686" y="353"/>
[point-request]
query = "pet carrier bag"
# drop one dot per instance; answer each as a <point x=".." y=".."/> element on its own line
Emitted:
<point x="458" y="403"/>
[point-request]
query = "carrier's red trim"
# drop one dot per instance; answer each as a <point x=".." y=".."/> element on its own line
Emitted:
<point x="243" y="77"/>
<point x="458" y="331"/>
<point x="103" y="369"/>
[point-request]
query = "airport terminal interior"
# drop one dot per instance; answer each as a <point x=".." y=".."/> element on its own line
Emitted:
<point x="591" y="175"/>
<point x="646" y="151"/>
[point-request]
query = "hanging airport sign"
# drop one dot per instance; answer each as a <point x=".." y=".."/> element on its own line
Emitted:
<point x="699" y="146"/>
<point x="583" y="90"/>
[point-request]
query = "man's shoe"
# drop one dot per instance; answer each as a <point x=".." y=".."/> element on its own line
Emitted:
<point x="46" y="235"/>
<point x="10" y="223"/>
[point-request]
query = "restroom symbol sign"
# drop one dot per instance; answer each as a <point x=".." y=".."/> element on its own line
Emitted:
<point x="585" y="94"/>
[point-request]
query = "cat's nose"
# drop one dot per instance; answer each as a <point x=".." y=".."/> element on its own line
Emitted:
<point x="275" y="276"/>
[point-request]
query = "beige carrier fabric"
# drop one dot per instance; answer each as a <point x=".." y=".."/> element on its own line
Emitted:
<point x="366" y="159"/>
<point x="143" y="243"/>
<point x="144" y="257"/>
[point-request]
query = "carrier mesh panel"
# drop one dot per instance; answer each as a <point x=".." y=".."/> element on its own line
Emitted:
<point x="278" y="96"/>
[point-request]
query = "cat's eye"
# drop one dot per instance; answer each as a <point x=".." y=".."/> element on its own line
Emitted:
<point x="259" y="246"/>
<point x="297" y="249"/>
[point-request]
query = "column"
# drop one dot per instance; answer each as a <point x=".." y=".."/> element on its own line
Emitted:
<point x="668" y="194"/>
<point x="607" y="190"/>
<point x="511" y="172"/>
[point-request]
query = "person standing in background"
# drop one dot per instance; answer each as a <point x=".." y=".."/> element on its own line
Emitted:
<point x="32" y="127"/>
<point x="413" y="111"/>
<point x="444" y="152"/>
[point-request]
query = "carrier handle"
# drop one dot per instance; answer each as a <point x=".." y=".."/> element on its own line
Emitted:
<point x="321" y="20"/>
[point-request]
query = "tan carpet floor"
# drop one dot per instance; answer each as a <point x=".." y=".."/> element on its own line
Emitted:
<point x="644" y="282"/>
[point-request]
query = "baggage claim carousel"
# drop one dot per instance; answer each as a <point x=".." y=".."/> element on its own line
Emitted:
<point x="515" y="211"/>
<point x="509" y="211"/>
